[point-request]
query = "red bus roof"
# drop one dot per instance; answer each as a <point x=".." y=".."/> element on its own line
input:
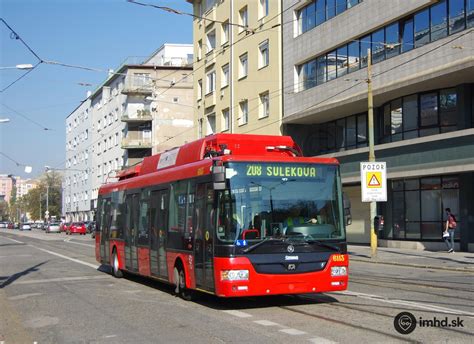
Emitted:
<point x="230" y="147"/>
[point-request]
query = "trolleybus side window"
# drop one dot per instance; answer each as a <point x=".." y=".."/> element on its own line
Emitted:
<point x="180" y="216"/>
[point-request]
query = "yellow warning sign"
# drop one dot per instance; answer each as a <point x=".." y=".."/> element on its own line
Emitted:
<point x="374" y="180"/>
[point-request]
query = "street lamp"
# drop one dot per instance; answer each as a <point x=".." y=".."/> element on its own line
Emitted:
<point x="24" y="66"/>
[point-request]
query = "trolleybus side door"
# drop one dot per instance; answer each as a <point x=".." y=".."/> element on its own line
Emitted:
<point x="131" y="226"/>
<point x="159" y="228"/>
<point x="204" y="225"/>
<point x="104" y="225"/>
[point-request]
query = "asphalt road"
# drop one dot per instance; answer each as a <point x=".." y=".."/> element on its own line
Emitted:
<point x="53" y="291"/>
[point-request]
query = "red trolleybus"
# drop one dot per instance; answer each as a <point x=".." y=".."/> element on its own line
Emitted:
<point x="232" y="215"/>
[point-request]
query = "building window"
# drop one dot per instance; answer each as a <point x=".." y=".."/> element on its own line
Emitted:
<point x="225" y="32"/>
<point x="470" y="13"/>
<point x="262" y="8"/>
<point x="199" y="52"/>
<point x="456" y="16"/>
<point x="422" y="28"/>
<point x="225" y="75"/>
<point x="264" y="59"/>
<point x="416" y="207"/>
<point x="244" y="20"/>
<point x="243" y="70"/>
<point x="439" y="20"/>
<point x="244" y="114"/>
<point x="199" y="90"/>
<point x="211" y="124"/>
<point x="211" y="82"/>
<point x="264" y="108"/>
<point x="225" y="119"/>
<point x="211" y="41"/>
<point x="200" y="128"/>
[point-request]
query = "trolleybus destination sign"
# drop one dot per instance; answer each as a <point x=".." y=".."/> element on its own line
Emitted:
<point x="373" y="176"/>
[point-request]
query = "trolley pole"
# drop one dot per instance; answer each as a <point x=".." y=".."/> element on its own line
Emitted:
<point x="373" y="205"/>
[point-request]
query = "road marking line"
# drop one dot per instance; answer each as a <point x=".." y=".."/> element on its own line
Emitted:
<point x="266" y="323"/>
<point x="19" y="242"/>
<point x="292" y="331"/>
<point x="16" y="255"/>
<point x="95" y="266"/>
<point x="63" y="279"/>
<point x="68" y="240"/>
<point x="405" y="303"/>
<point x="23" y="296"/>
<point x="320" y="340"/>
<point x="238" y="314"/>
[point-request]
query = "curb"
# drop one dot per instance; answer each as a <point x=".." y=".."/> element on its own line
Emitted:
<point x="468" y="270"/>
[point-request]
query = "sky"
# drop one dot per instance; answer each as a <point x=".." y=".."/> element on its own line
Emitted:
<point x="98" y="34"/>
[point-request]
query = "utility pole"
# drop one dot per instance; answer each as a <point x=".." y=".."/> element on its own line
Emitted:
<point x="373" y="205"/>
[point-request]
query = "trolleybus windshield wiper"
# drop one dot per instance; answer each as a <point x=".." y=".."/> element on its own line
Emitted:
<point x="267" y="239"/>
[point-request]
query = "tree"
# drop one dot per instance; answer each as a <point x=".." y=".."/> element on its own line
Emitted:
<point x="46" y="196"/>
<point x="4" y="211"/>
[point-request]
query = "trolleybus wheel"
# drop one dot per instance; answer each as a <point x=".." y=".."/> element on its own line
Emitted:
<point x="115" y="266"/>
<point x="180" y="278"/>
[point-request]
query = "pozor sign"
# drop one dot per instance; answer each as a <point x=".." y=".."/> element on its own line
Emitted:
<point x="373" y="176"/>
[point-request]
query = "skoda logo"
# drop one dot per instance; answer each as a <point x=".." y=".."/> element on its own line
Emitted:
<point x="290" y="249"/>
<point x="291" y="267"/>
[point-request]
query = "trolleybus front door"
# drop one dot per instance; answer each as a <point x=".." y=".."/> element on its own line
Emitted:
<point x="204" y="237"/>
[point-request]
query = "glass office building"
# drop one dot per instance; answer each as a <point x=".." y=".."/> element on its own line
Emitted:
<point x="423" y="91"/>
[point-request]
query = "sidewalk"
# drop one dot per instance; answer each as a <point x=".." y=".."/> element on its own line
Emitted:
<point x="459" y="261"/>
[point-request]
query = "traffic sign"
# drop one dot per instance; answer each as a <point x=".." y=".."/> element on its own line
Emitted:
<point x="373" y="176"/>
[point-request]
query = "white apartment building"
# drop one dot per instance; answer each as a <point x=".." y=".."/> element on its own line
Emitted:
<point x="141" y="109"/>
<point x="77" y="181"/>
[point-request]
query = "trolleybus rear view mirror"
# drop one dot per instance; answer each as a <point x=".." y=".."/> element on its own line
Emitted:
<point x="218" y="177"/>
<point x="347" y="209"/>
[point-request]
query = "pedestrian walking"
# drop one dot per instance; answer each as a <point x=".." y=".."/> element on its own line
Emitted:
<point x="449" y="228"/>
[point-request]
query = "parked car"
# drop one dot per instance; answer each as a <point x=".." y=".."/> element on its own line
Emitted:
<point x="53" y="227"/>
<point x="3" y="225"/>
<point x="90" y="226"/>
<point x="64" y="226"/>
<point x="11" y="225"/>
<point x="25" y="226"/>
<point x="77" y="227"/>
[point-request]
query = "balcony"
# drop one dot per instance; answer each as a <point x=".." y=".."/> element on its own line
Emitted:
<point x="137" y="88"/>
<point x="139" y="116"/>
<point x="136" y="143"/>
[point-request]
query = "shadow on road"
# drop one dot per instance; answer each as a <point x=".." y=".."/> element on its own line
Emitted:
<point x="7" y="280"/>
<point x="242" y="303"/>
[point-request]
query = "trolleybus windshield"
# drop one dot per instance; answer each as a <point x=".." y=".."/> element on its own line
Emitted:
<point x="292" y="201"/>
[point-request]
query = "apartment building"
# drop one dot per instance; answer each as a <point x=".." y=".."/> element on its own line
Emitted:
<point x="142" y="108"/>
<point x="423" y="84"/>
<point x="6" y="186"/>
<point x="8" y="182"/>
<point x="237" y="66"/>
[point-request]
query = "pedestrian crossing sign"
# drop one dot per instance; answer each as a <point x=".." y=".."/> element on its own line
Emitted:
<point x="373" y="181"/>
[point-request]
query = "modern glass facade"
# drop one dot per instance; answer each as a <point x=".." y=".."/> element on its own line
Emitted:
<point x="408" y="117"/>
<point x="437" y="21"/>
<point x="319" y="11"/>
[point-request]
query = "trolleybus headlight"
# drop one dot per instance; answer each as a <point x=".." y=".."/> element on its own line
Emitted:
<point x="234" y="275"/>
<point x="338" y="271"/>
